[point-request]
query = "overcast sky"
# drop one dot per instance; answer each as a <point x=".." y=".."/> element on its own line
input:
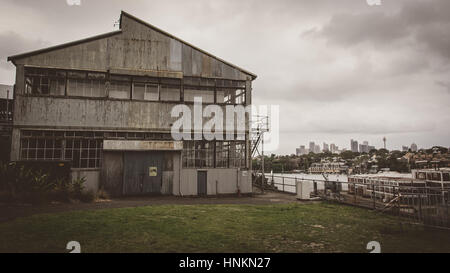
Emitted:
<point x="338" y="69"/>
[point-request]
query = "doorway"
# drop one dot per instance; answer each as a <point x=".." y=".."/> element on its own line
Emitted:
<point x="142" y="173"/>
<point x="201" y="183"/>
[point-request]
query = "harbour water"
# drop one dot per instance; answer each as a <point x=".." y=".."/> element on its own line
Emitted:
<point x="289" y="180"/>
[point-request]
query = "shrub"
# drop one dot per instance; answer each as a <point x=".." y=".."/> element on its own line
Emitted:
<point x="23" y="184"/>
<point x="78" y="185"/>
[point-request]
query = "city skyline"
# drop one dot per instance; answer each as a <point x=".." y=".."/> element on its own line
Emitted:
<point x="358" y="147"/>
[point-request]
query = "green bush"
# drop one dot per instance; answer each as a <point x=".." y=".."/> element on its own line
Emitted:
<point x="23" y="184"/>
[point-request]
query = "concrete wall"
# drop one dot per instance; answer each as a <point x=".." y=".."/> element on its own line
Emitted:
<point x="219" y="181"/>
<point x="92" y="178"/>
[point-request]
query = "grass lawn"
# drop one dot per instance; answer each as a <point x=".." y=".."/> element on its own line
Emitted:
<point x="320" y="227"/>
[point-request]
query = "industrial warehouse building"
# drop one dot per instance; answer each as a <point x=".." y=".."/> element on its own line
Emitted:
<point x="103" y="105"/>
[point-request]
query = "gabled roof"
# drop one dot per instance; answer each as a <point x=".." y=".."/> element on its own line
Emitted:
<point x="77" y="42"/>
<point x="109" y="34"/>
<point x="183" y="42"/>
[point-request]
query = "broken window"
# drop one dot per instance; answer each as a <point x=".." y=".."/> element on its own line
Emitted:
<point x="222" y="154"/>
<point x="237" y="154"/>
<point x="230" y="95"/>
<point x="41" y="81"/>
<point x="230" y="91"/>
<point x="214" y="154"/>
<point x="188" y="154"/>
<point x="204" y="154"/>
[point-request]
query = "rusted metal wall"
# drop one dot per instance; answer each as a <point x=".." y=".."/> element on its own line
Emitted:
<point x="137" y="48"/>
<point x="79" y="113"/>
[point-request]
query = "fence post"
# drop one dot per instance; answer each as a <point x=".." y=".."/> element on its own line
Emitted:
<point x="398" y="201"/>
<point x="395" y="196"/>
<point x="420" y="207"/>
<point x="296" y="186"/>
<point x="373" y="195"/>
<point x="283" y="183"/>
<point x="448" y="215"/>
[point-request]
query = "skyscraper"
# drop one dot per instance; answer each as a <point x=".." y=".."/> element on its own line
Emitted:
<point x="302" y="150"/>
<point x="414" y="147"/>
<point x="326" y="147"/>
<point x="333" y="148"/>
<point x="364" y="148"/>
<point x="317" y="149"/>
<point x="354" y="146"/>
<point x="312" y="146"/>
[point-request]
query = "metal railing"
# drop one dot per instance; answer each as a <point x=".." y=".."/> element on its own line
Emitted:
<point x="423" y="204"/>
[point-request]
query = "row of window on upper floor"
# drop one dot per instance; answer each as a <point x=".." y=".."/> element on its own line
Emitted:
<point x="39" y="81"/>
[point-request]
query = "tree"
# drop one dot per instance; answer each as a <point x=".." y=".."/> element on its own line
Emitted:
<point x="348" y="155"/>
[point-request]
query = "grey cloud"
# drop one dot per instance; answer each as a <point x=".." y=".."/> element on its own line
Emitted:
<point x="362" y="127"/>
<point x="352" y="29"/>
<point x="436" y="38"/>
<point x="425" y="12"/>
<point x="445" y="85"/>
<point x="415" y="23"/>
<point x="12" y="43"/>
<point x="355" y="70"/>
